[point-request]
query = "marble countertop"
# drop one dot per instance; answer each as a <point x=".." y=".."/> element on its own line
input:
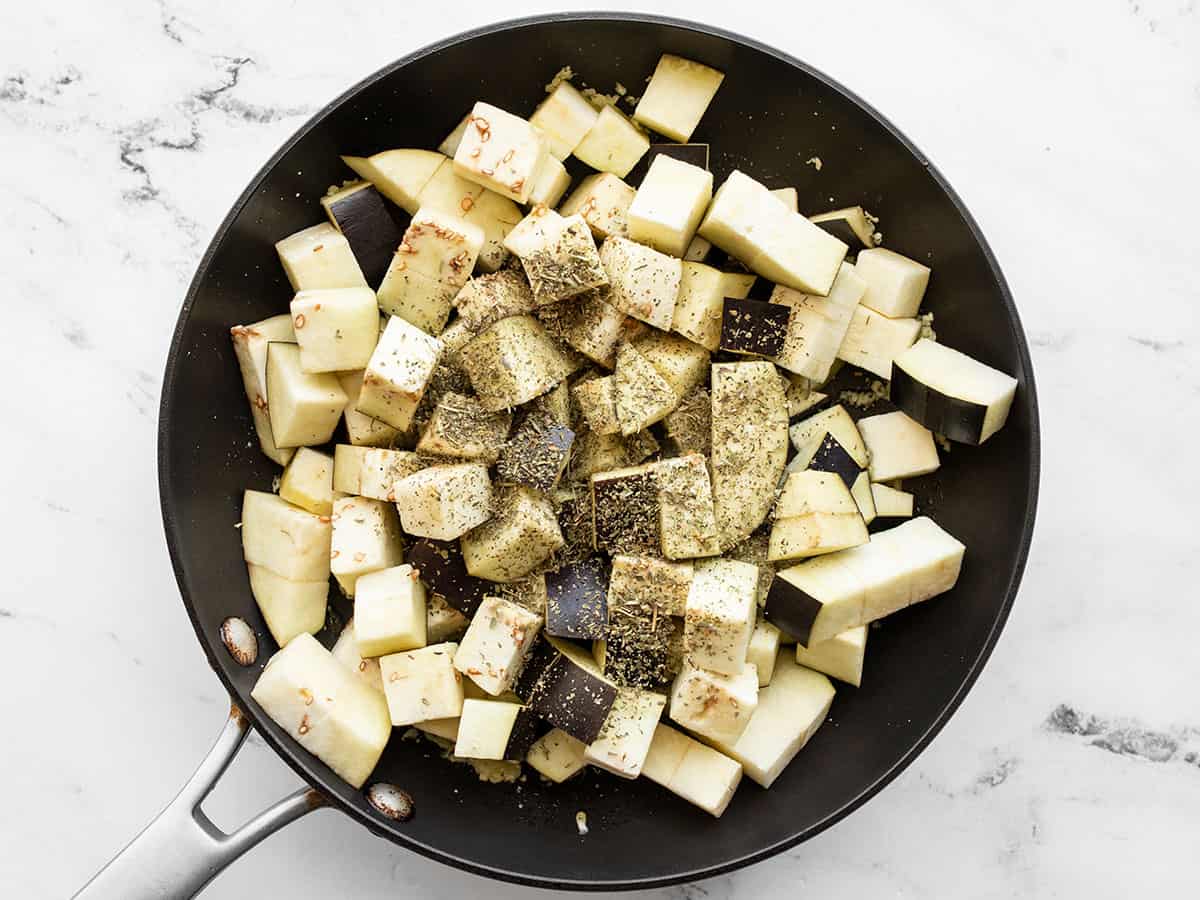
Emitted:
<point x="1070" y="129"/>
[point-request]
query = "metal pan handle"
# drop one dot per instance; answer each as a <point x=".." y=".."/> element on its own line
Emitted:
<point x="181" y="851"/>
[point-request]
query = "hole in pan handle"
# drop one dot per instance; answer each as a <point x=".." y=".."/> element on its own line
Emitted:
<point x="181" y="850"/>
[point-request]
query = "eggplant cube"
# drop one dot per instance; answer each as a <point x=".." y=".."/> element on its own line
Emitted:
<point x="486" y="728"/>
<point x="460" y="428"/>
<point x="534" y="232"/>
<point x="668" y="207"/>
<point x="596" y="401"/>
<point x="677" y="96"/>
<point x="561" y="261"/>
<point x="588" y="324"/>
<point x="308" y="481"/>
<point x="304" y="408"/>
<point x="400" y="175"/>
<point x="815" y="514"/>
<point x="763" y="649"/>
<point x="497" y="642"/>
<point x="625" y="510"/>
<point x="250" y="344"/>
<point x="288" y="607"/>
<point x="904" y="565"/>
<point x="291" y="542"/>
<point x="898" y="446"/>
<point x="714" y="705"/>
<point x="567" y="691"/>
<point x="746" y="221"/>
<point x="625" y="737"/>
<point x="500" y="151"/>
<point x="817" y="326"/>
<point x="692" y="770"/>
<point x="576" y="604"/>
<point x="489" y="298"/>
<point x="537" y="454"/>
<point x="362" y="430"/>
<point x="873" y="341"/>
<point x="520" y="536"/>
<point x="641" y="396"/>
<point x="360" y="213"/>
<point x="613" y="143"/>
<point x="809" y="435"/>
<point x="444" y="502"/>
<point x="557" y="756"/>
<point x="687" y="523"/>
<point x="564" y="117"/>
<point x="895" y="284"/>
<point x="951" y="393"/>
<point x="389" y="611"/>
<point x="719" y="616"/>
<point x="679" y="92"/>
<point x="643" y="283"/>
<point x="789" y="712"/>
<point x="753" y="327"/>
<point x="603" y="200"/>
<point x="366" y="538"/>
<point x="398" y="373"/>
<point x="336" y="328"/>
<point x="332" y="715"/>
<point x="700" y="305"/>
<point x="429" y="268"/>
<point x="749" y="445"/>
<point x="550" y="182"/>
<point x="840" y="657"/>
<point x="422" y="685"/>
<point x="512" y="361"/>
<point x="319" y="257"/>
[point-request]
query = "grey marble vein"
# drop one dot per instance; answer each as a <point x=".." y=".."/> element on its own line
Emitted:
<point x="1123" y="738"/>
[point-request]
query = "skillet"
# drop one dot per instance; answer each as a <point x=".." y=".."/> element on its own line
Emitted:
<point x="772" y="113"/>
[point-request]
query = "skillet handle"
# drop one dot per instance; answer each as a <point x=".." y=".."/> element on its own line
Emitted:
<point x="181" y="851"/>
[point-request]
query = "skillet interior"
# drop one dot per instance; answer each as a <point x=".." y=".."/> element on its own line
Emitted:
<point x="770" y="116"/>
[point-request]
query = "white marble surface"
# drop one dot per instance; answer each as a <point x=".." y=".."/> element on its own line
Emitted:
<point x="1069" y="128"/>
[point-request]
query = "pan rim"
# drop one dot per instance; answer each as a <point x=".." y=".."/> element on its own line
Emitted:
<point x="287" y="752"/>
